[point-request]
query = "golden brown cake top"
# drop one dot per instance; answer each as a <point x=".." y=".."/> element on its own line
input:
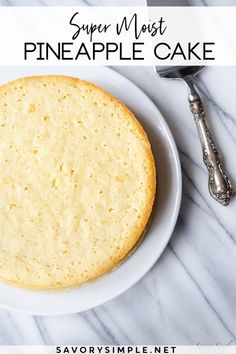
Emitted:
<point x="77" y="181"/>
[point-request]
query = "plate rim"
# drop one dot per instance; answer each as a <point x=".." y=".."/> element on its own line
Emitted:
<point x="174" y="218"/>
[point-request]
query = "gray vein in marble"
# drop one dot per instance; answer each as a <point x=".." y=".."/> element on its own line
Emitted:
<point x="5" y="3"/>
<point x="221" y="283"/>
<point x="14" y="325"/>
<point x="196" y="204"/>
<point x="184" y="153"/>
<point x="90" y="316"/>
<point x="203" y="89"/>
<point x="155" y="280"/>
<point x="42" y="330"/>
<point x="87" y="2"/>
<point x="149" y="293"/>
<point x="43" y="2"/>
<point x="231" y="236"/>
<point x="94" y="329"/>
<point x="154" y="298"/>
<point x="108" y="314"/>
<point x="105" y="328"/>
<point x="4" y="333"/>
<point x="202" y="292"/>
<point x="109" y="2"/>
<point x="186" y="156"/>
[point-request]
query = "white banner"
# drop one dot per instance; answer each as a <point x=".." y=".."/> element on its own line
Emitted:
<point x="118" y="36"/>
<point x="109" y="349"/>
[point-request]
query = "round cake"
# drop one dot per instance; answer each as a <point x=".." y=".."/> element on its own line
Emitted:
<point x="77" y="182"/>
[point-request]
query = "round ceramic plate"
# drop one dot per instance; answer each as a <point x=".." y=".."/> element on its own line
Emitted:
<point x="164" y="217"/>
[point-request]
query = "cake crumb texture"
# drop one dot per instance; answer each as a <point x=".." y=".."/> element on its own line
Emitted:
<point x="77" y="182"/>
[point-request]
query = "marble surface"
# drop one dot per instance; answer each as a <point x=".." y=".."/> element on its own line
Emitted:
<point x="189" y="297"/>
<point x="115" y="2"/>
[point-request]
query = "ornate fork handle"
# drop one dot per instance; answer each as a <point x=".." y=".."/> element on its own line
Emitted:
<point x="220" y="186"/>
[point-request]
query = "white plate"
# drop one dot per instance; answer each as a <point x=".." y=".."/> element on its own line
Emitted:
<point x="165" y="212"/>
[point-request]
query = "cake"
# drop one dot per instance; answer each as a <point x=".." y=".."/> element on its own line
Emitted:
<point x="77" y="182"/>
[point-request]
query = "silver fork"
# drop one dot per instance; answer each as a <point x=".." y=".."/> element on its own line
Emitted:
<point x="220" y="186"/>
